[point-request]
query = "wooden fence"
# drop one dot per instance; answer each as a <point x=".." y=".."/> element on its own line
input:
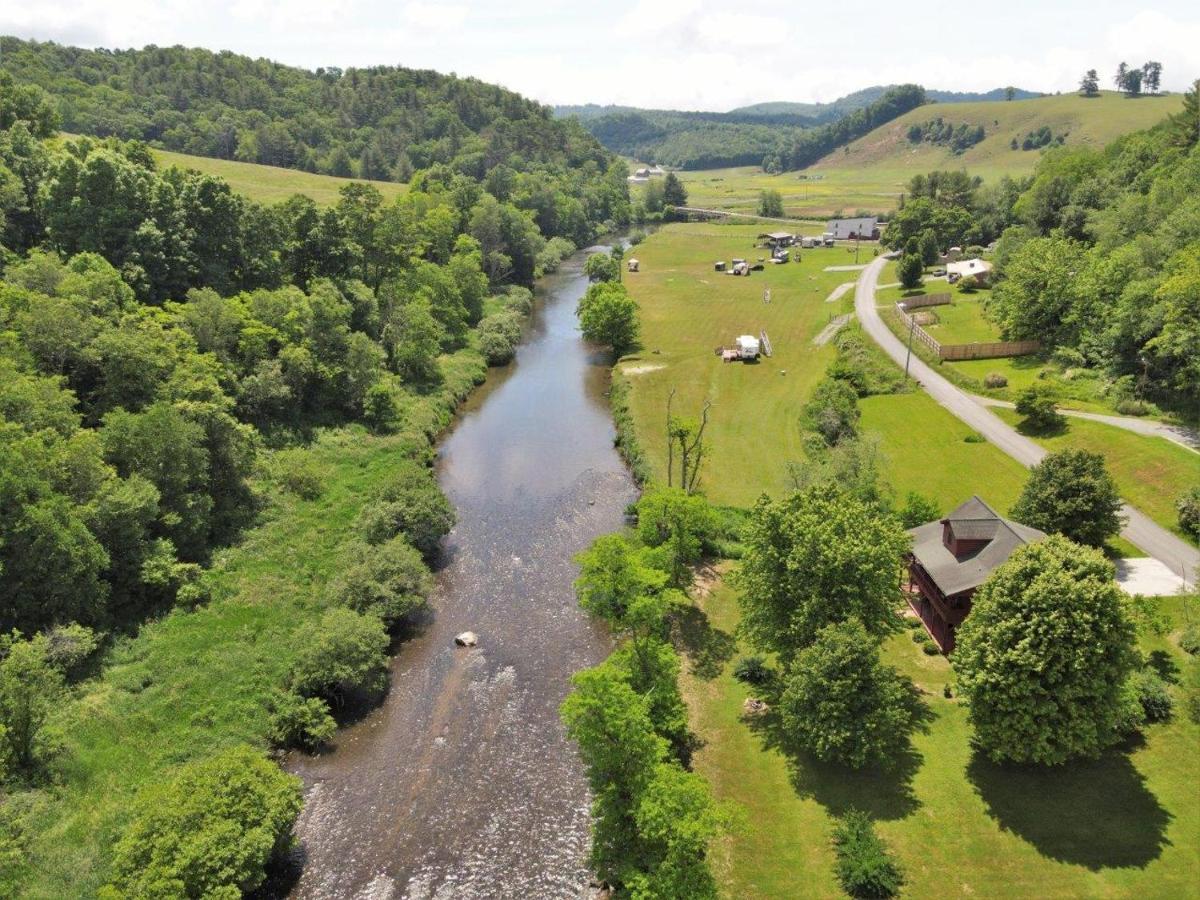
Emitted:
<point x="992" y="350"/>
<point x="927" y="300"/>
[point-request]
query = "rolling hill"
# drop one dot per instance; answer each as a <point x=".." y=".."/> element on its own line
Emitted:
<point x="1081" y="122"/>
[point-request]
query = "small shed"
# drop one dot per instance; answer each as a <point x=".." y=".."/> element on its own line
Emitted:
<point x="979" y="269"/>
<point x="777" y="239"/>
<point x="632" y="265"/>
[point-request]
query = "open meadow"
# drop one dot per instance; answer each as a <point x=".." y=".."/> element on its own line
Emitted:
<point x="271" y="184"/>
<point x="687" y="310"/>
<point x="1126" y="825"/>
<point x="870" y="173"/>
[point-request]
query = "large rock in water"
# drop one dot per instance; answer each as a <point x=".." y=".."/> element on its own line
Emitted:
<point x="466" y="639"/>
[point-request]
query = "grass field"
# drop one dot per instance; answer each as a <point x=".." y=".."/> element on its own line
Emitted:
<point x="1127" y="825"/>
<point x="687" y="310"/>
<point x="1150" y="472"/>
<point x="270" y="184"/>
<point x="199" y="680"/>
<point x="871" y="172"/>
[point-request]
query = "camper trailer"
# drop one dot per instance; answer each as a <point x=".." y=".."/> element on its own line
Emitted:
<point x="747" y="347"/>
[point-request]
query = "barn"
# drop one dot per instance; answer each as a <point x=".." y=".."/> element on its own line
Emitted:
<point x="865" y="229"/>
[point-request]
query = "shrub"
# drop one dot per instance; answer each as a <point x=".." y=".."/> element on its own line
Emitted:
<point x="1134" y="408"/>
<point x="1189" y="641"/>
<point x="995" y="380"/>
<point x="381" y="411"/>
<point x="1153" y="695"/>
<point x="912" y="623"/>
<point x="752" y="670"/>
<point x="832" y="411"/>
<point x="918" y="637"/>
<point x="412" y="504"/>
<point x="968" y="285"/>
<point x="1037" y="405"/>
<point x="1130" y="715"/>
<point x="388" y="580"/>
<point x="499" y="335"/>
<point x="864" y="867"/>
<point x="975" y="438"/>
<point x="208" y="832"/>
<point x="929" y="648"/>
<point x="341" y="654"/>
<point x="1191" y="692"/>
<point x="297" y="472"/>
<point x="1188" y="508"/>
<point x="519" y="299"/>
<point x="69" y="647"/>
<point x="302" y="722"/>
<point x="917" y="510"/>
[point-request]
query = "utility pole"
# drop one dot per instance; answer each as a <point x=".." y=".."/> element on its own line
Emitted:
<point x="912" y="324"/>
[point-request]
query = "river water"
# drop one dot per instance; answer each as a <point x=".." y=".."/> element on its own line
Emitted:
<point x="463" y="783"/>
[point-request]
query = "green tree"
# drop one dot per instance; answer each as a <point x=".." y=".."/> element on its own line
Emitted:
<point x="1044" y="655"/>
<point x="865" y="868"/>
<point x="303" y="722"/>
<point x="602" y="267"/>
<point x="674" y="193"/>
<point x="209" y="831"/>
<point x="1038" y="299"/>
<point x="910" y="270"/>
<point x="676" y="524"/>
<point x="928" y="244"/>
<point x="770" y="204"/>
<point x="1089" y="84"/>
<point x="30" y="690"/>
<point x="608" y="316"/>
<point x="342" y="653"/>
<point x="1038" y="404"/>
<point x="842" y="705"/>
<point x="614" y="576"/>
<point x="816" y="558"/>
<point x="1070" y="492"/>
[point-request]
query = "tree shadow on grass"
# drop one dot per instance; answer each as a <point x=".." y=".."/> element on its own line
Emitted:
<point x="882" y="793"/>
<point x="1162" y="663"/>
<point x="1094" y="814"/>
<point x="707" y="648"/>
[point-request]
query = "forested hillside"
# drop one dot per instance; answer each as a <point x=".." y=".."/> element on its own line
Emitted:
<point x="1098" y="255"/>
<point x="168" y="349"/>
<point x="778" y="136"/>
<point x="380" y="123"/>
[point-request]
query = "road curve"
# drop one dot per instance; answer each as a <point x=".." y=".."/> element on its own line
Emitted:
<point x="1140" y="530"/>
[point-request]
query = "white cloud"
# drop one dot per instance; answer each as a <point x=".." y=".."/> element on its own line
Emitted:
<point x="435" y="16"/>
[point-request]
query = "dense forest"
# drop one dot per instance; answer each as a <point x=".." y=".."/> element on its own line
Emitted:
<point x="1097" y="255"/>
<point x="380" y="123"/>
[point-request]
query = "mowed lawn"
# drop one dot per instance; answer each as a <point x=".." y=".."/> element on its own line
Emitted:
<point x="1127" y="825"/>
<point x="754" y="431"/>
<point x="271" y="184"/>
<point x="1150" y="472"/>
<point x="688" y="310"/>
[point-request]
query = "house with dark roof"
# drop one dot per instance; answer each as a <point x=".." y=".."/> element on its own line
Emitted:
<point x="952" y="557"/>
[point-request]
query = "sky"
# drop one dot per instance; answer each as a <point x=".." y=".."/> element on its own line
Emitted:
<point x="681" y="54"/>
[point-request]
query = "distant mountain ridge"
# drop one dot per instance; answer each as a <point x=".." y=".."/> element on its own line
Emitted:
<point x="748" y="135"/>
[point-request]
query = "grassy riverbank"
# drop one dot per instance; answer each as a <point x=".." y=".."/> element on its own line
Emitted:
<point x="1126" y="825"/>
<point x="196" y="681"/>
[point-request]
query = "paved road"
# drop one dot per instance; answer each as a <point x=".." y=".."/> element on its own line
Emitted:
<point x="1179" y="434"/>
<point x="1139" y="530"/>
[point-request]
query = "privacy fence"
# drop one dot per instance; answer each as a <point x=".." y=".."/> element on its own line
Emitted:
<point x="990" y="350"/>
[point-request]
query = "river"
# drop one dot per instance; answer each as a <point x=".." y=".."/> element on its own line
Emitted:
<point x="463" y="783"/>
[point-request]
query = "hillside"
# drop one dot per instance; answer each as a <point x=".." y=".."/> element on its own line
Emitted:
<point x="866" y="96"/>
<point x="1083" y="122"/>
<point x="381" y="122"/>
<point x="271" y="184"/>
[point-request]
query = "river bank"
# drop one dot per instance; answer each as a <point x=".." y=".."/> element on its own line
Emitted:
<point x="463" y="782"/>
